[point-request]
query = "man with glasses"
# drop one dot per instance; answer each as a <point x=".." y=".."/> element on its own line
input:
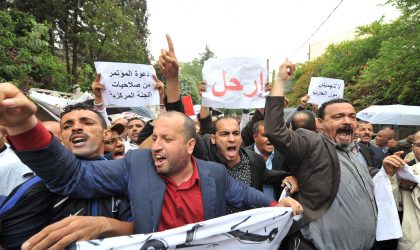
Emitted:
<point x="416" y="149"/>
<point x="113" y="142"/>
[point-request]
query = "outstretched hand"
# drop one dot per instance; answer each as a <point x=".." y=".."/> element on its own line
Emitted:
<point x="72" y="229"/>
<point x="17" y="112"/>
<point x="392" y="162"/>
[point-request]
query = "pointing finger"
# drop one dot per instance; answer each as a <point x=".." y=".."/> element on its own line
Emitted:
<point x="170" y="44"/>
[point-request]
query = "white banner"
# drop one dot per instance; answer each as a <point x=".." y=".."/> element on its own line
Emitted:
<point x="323" y="89"/>
<point x="388" y="225"/>
<point x="262" y="228"/>
<point x="128" y="85"/>
<point x="235" y="83"/>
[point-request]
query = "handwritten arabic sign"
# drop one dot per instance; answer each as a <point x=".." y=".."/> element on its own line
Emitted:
<point x="234" y="83"/>
<point x="128" y="85"/>
<point x="324" y="89"/>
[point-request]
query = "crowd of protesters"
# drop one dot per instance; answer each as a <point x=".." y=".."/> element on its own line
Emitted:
<point x="94" y="175"/>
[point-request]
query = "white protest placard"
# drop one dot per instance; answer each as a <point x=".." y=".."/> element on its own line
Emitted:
<point x="234" y="83"/>
<point x="128" y="85"/>
<point x="262" y="228"/>
<point x="323" y="89"/>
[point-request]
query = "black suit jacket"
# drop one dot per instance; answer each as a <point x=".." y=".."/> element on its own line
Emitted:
<point x="279" y="164"/>
<point x="369" y="157"/>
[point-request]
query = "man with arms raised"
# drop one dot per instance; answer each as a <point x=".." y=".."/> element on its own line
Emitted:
<point x="31" y="206"/>
<point x="151" y="178"/>
<point x="335" y="188"/>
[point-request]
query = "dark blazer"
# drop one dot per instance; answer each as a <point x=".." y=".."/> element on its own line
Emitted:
<point x="259" y="173"/>
<point x="412" y="162"/>
<point x="246" y="133"/>
<point x="312" y="159"/>
<point x="279" y="164"/>
<point x="369" y="157"/>
<point x="136" y="177"/>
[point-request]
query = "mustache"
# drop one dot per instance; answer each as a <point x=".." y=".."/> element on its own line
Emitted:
<point x="345" y="129"/>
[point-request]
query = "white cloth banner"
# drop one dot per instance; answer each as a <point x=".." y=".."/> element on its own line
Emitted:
<point x="262" y="228"/>
<point x="388" y="225"/>
<point x="234" y="83"/>
<point x="323" y="89"/>
<point x="128" y="85"/>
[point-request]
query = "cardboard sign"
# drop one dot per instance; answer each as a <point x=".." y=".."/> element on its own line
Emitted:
<point x="234" y="83"/>
<point x="128" y="85"/>
<point x="323" y="89"/>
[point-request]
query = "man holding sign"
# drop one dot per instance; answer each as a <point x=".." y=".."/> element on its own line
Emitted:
<point x="323" y="89"/>
<point x="128" y="85"/>
<point x="237" y="82"/>
<point x="151" y="178"/>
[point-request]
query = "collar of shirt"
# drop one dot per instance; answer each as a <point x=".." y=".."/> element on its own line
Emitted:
<point x="270" y="158"/>
<point x="195" y="178"/>
<point x="3" y="148"/>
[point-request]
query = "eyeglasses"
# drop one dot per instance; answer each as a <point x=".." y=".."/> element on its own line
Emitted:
<point x="416" y="144"/>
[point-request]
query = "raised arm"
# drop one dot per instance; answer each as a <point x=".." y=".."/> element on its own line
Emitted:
<point x="288" y="142"/>
<point x="98" y="104"/>
<point x="61" y="171"/>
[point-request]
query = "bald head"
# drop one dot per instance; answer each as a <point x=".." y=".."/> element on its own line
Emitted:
<point x="304" y="119"/>
<point x="188" y="126"/>
<point x="384" y="135"/>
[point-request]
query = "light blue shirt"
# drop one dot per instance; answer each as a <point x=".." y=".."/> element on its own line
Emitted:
<point x="267" y="189"/>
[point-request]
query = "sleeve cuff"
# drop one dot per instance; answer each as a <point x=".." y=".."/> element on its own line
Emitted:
<point x="176" y="106"/>
<point x="36" y="138"/>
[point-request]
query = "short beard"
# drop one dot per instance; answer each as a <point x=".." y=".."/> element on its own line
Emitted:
<point x="343" y="145"/>
<point x="177" y="165"/>
<point x="346" y="129"/>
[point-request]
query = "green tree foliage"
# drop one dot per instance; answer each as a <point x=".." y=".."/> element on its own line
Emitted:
<point x="191" y="74"/>
<point x="189" y="87"/>
<point x="84" y="31"/>
<point x="207" y="54"/>
<point x="25" y="55"/>
<point x="393" y="76"/>
<point x="380" y="66"/>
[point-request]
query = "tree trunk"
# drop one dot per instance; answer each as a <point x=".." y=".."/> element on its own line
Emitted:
<point x="75" y="47"/>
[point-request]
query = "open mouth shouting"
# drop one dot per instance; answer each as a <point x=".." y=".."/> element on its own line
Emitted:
<point x="78" y="140"/>
<point x="231" y="151"/>
<point x="159" y="160"/>
<point x="119" y="154"/>
<point x="344" y="133"/>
